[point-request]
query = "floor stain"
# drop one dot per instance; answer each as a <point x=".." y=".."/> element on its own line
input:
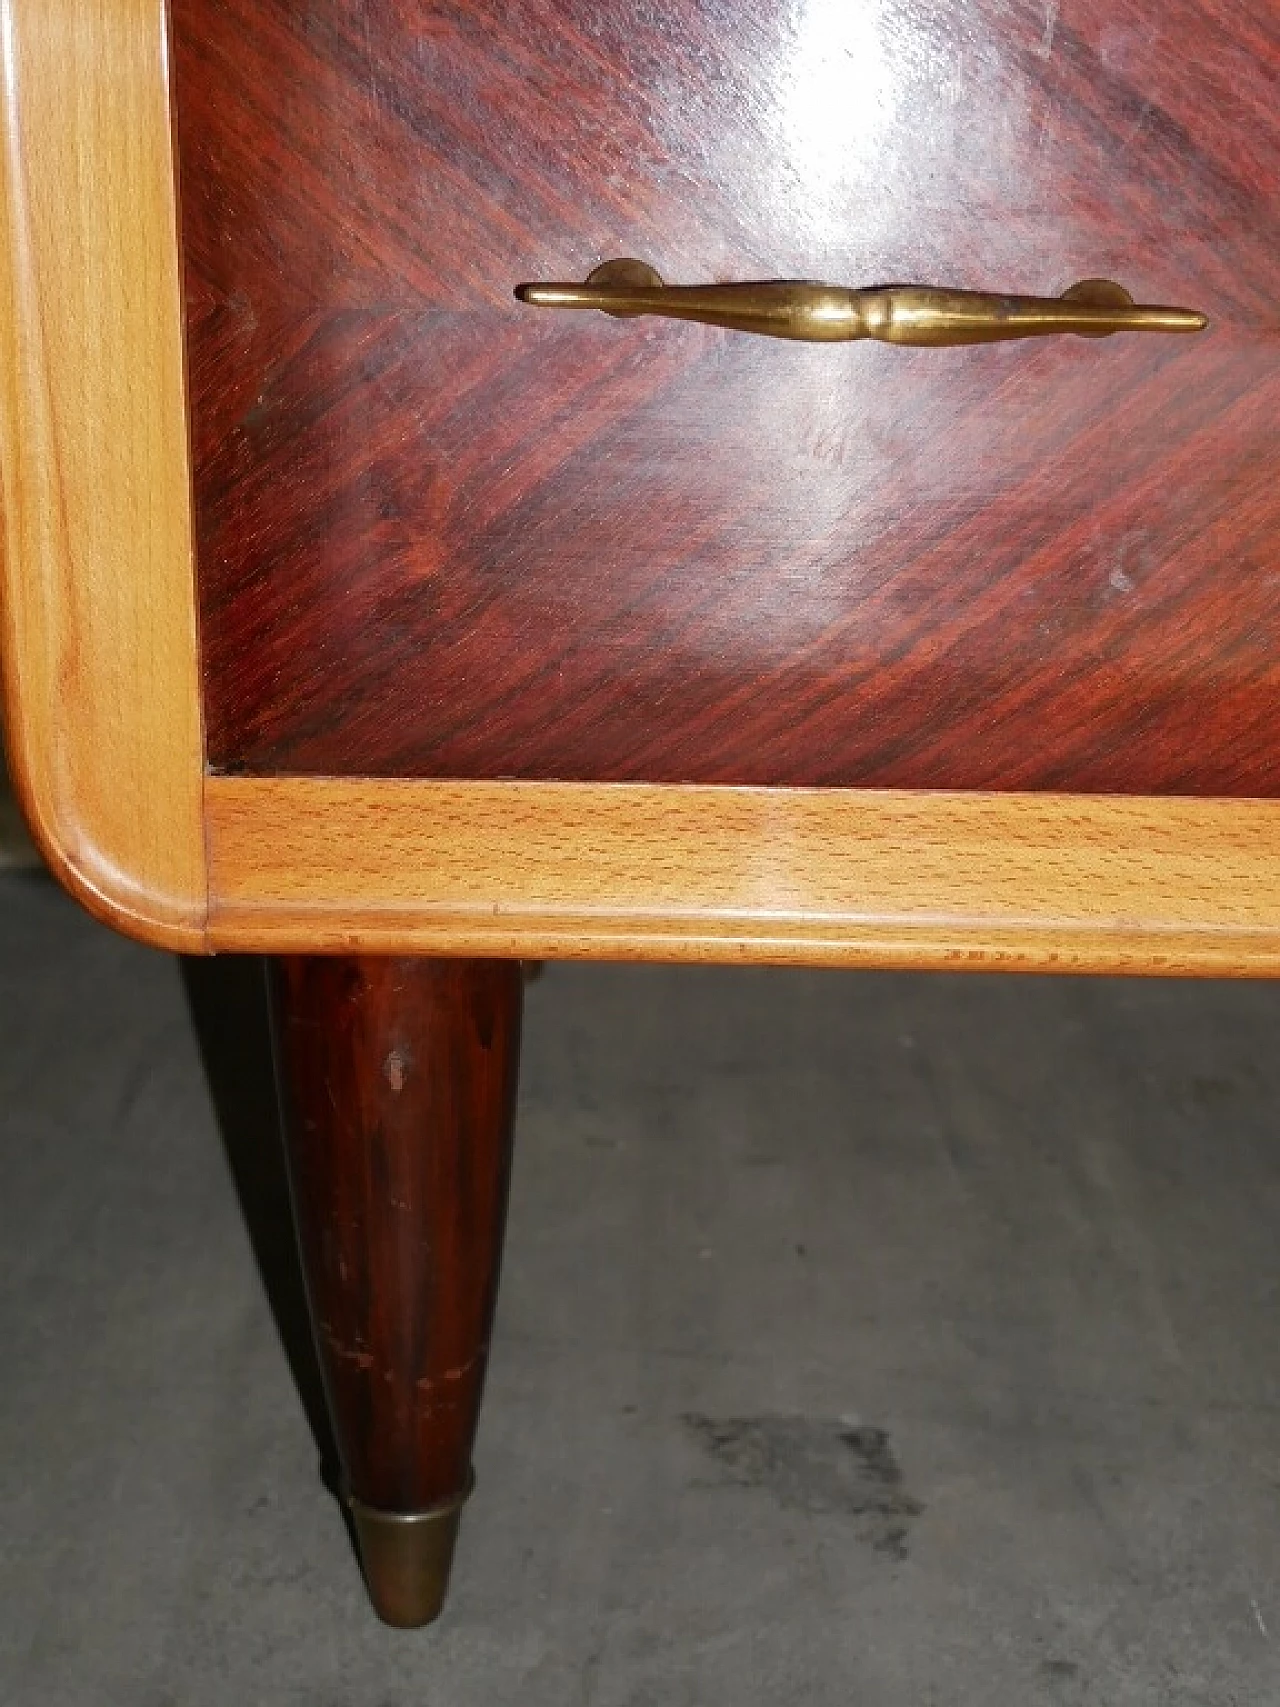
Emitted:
<point x="1060" y="1669"/>
<point x="821" y="1466"/>
<point x="1211" y="1090"/>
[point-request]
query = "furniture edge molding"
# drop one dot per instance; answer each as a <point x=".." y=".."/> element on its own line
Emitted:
<point x="97" y="595"/>
<point x="1021" y="882"/>
<point x="116" y="896"/>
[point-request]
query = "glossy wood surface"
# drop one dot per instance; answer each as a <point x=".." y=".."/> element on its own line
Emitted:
<point x="97" y="596"/>
<point x="444" y="535"/>
<point x="399" y="1079"/>
<point x="102" y="710"/>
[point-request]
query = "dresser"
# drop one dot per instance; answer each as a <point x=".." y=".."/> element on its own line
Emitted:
<point x="488" y="481"/>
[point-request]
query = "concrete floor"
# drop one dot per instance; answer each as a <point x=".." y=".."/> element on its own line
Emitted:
<point x="16" y="851"/>
<point x="875" y="1340"/>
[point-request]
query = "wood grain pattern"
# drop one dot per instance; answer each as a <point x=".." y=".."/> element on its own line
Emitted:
<point x="1039" y="882"/>
<point x="442" y="535"/>
<point x="98" y="640"/>
<point x="399" y="1081"/>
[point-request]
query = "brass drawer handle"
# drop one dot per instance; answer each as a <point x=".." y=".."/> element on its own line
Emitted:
<point x="894" y="314"/>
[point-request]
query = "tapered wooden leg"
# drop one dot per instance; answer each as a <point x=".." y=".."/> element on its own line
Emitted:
<point x="398" y="1081"/>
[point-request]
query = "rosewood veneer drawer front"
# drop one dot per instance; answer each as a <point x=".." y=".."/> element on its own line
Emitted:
<point x="445" y="534"/>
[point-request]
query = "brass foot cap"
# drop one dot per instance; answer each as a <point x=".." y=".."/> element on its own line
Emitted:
<point x="406" y="1559"/>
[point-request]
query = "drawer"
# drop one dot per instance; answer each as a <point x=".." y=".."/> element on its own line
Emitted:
<point x="443" y="534"/>
<point x="504" y="614"/>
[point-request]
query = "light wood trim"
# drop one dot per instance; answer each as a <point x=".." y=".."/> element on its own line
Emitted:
<point x="98" y="637"/>
<point x="1033" y="882"/>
